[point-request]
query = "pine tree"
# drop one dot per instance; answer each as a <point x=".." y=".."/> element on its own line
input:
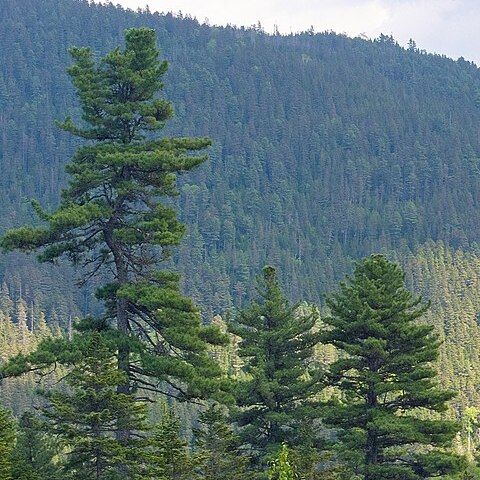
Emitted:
<point x="7" y="437"/>
<point x="111" y="219"/>
<point x="277" y="341"/>
<point x="6" y="303"/>
<point x="218" y="455"/>
<point x="311" y="460"/>
<point x="168" y="456"/>
<point x="33" y="457"/>
<point x="386" y="378"/>
<point x="87" y="415"/>
<point x="22" y="325"/>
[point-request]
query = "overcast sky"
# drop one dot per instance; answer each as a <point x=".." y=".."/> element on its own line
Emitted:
<point x="450" y="27"/>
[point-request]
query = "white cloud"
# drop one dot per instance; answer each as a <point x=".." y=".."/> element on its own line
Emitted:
<point x="443" y="26"/>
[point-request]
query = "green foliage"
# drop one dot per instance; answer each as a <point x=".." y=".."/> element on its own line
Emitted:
<point x="378" y="151"/>
<point x="111" y="219"/>
<point x="277" y="342"/>
<point x="345" y="168"/>
<point x="168" y="456"/>
<point x="386" y="378"/>
<point x="87" y="415"/>
<point x="449" y="277"/>
<point x="21" y="330"/>
<point x="218" y="456"/>
<point x="385" y="162"/>
<point x="281" y="468"/>
<point x="311" y="460"/>
<point x="35" y="454"/>
<point x="470" y="472"/>
<point x="7" y="438"/>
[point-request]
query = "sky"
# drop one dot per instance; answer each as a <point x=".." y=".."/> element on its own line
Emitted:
<point x="449" y="27"/>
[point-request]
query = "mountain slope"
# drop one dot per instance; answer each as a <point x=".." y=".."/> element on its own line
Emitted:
<point x="326" y="148"/>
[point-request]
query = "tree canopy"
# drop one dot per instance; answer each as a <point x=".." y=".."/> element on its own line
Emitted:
<point x="111" y="219"/>
<point x="386" y="378"/>
<point x="276" y="346"/>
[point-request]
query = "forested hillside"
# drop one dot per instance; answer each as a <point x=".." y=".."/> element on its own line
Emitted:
<point x="326" y="149"/>
<point x="450" y="278"/>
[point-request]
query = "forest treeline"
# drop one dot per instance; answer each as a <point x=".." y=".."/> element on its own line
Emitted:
<point x="290" y="413"/>
<point x="325" y="147"/>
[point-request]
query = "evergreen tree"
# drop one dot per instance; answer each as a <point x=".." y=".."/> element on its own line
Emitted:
<point x="87" y="415"/>
<point x="7" y="437"/>
<point x="310" y="461"/>
<point x="111" y="218"/>
<point x="386" y="378"/>
<point x="33" y="457"/>
<point x="218" y="456"/>
<point x="277" y="341"/>
<point x="168" y="456"/>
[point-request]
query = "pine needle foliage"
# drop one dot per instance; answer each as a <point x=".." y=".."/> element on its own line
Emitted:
<point x="386" y="378"/>
<point x="277" y="341"/>
<point x="35" y="456"/>
<point x="218" y="454"/>
<point x="111" y="219"/>
<point x="168" y="455"/>
<point x="7" y="438"/>
<point x="86" y="416"/>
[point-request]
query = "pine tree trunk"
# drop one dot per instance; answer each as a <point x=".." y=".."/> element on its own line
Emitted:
<point x="371" y="453"/>
<point x="123" y="433"/>
<point x="123" y="351"/>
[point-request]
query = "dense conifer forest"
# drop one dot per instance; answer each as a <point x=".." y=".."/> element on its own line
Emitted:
<point x="322" y="150"/>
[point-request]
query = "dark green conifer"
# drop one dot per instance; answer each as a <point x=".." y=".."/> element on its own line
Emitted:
<point x="386" y="379"/>
<point x="218" y="455"/>
<point x="111" y="219"/>
<point x="168" y="455"/>
<point x="7" y="438"/>
<point x="35" y="454"/>
<point x="277" y="341"/>
<point x="86" y="416"/>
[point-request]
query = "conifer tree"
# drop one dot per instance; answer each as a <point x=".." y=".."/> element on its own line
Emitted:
<point x="218" y="455"/>
<point x="33" y="457"/>
<point x="386" y="378"/>
<point x="7" y="438"/>
<point x="277" y="341"/>
<point x="6" y="303"/>
<point x="313" y="461"/>
<point x="111" y="219"/>
<point x="86" y="416"/>
<point x="168" y="456"/>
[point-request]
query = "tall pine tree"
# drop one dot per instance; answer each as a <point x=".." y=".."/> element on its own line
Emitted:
<point x="386" y="378"/>
<point x="111" y="219"/>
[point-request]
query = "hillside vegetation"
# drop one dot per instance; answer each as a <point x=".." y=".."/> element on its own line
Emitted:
<point x="326" y="149"/>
